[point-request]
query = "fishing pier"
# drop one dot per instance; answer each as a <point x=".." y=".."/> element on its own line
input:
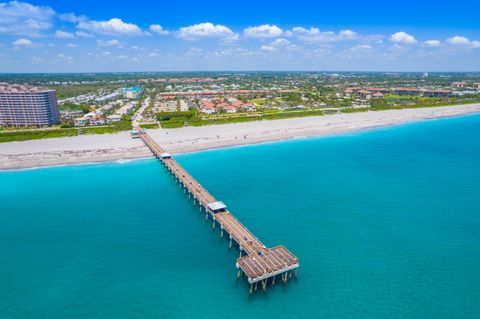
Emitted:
<point x="256" y="262"/>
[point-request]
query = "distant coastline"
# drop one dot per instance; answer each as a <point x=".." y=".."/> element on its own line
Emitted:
<point x="119" y="146"/>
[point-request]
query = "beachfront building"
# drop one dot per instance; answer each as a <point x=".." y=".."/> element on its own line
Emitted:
<point x="437" y="93"/>
<point x="25" y="105"/>
<point x="229" y="108"/>
<point x="133" y="92"/>
<point x="207" y="107"/>
<point x="364" y="94"/>
<point x="378" y="95"/>
<point x="114" y="118"/>
<point x="407" y="91"/>
<point x="247" y="107"/>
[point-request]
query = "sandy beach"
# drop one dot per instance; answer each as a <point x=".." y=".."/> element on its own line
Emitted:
<point x="111" y="147"/>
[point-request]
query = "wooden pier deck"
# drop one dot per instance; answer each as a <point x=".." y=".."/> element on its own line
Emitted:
<point x="260" y="263"/>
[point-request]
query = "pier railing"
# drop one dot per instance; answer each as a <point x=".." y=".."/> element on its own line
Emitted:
<point x="260" y="264"/>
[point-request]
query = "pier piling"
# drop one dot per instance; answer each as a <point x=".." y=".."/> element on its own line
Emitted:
<point x="259" y="263"/>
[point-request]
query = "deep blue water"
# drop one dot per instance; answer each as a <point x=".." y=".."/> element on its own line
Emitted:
<point x="386" y="224"/>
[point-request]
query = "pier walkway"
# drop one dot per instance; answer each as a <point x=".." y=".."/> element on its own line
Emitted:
<point x="260" y="264"/>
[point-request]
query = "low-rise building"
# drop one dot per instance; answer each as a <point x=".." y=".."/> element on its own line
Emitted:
<point x="133" y="92"/>
<point x="364" y="94"/>
<point x="407" y="91"/>
<point x="229" y="109"/>
<point x="248" y="107"/>
<point x="437" y="93"/>
<point x="113" y="118"/>
<point x="81" y="121"/>
<point x="458" y="84"/>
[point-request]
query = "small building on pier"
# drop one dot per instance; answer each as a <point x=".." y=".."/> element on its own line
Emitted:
<point x="217" y="207"/>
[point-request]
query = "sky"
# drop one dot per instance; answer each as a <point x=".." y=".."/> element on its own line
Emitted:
<point x="301" y="35"/>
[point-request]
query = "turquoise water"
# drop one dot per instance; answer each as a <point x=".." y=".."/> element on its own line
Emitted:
<point x="386" y="224"/>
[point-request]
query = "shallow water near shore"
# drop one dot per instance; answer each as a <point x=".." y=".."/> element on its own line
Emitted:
<point x="386" y="224"/>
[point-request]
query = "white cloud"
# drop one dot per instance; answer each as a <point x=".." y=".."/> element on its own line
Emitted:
<point x="22" y="43"/>
<point x="64" y="35"/>
<point x="314" y="35"/>
<point x="25" y="19"/>
<point x="206" y="30"/>
<point x="403" y="38"/>
<point x="64" y="57"/>
<point x="158" y="29"/>
<point x="113" y="26"/>
<point x="84" y="34"/>
<point x="433" y="43"/>
<point x="463" y="41"/>
<point x="268" y="48"/>
<point x="280" y="42"/>
<point x="362" y="48"/>
<point x="263" y="31"/>
<point x="71" y="17"/>
<point x="109" y="43"/>
<point x="458" y="40"/>
<point x="348" y="34"/>
<point x="72" y="45"/>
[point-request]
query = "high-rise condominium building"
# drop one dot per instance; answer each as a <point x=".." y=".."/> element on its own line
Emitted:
<point x="25" y="105"/>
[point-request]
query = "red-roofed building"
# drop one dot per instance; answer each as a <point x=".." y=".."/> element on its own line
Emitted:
<point x="207" y="107"/>
<point x="248" y="107"/>
<point x="229" y="109"/>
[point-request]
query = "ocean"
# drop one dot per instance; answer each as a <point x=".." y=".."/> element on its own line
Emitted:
<point x="386" y="224"/>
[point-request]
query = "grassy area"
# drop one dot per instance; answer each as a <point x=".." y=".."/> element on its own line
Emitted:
<point x="7" y="136"/>
<point x="196" y="120"/>
<point x="382" y="105"/>
<point x="149" y="125"/>
<point x="354" y="110"/>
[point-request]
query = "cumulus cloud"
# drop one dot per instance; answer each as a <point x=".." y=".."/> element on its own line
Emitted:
<point x="84" y="34"/>
<point x="458" y="40"/>
<point x="464" y="41"/>
<point x="24" y="18"/>
<point x="280" y="42"/>
<point x="348" y="35"/>
<point x="433" y="43"/>
<point x="403" y="38"/>
<point x="71" y="17"/>
<point x="65" y="57"/>
<point x="263" y="31"/>
<point x="275" y="45"/>
<point x="22" y="42"/>
<point x="64" y="35"/>
<point x="114" y="26"/>
<point x="158" y="29"/>
<point x="268" y="48"/>
<point x="362" y="48"/>
<point x="314" y="35"/>
<point x="109" y="43"/>
<point x="206" y="30"/>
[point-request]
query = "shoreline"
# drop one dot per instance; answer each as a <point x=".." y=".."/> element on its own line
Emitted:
<point x="92" y="149"/>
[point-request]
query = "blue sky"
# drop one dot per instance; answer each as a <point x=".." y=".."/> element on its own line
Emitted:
<point x="89" y="36"/>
